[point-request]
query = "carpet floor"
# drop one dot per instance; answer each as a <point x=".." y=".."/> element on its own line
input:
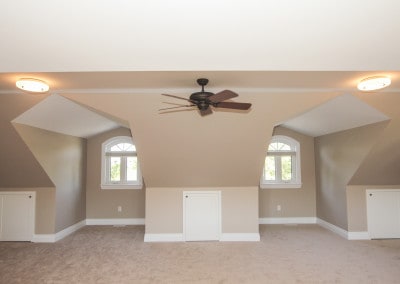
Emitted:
<point x="285" y="254"/>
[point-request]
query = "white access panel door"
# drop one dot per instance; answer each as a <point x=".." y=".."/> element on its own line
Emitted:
<point x="17" y="216"/>
<point x="383" y="213"/>
<point x="201" y="215"/>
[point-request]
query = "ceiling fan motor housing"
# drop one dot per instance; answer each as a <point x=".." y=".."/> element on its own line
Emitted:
<point x="202" y="99"/>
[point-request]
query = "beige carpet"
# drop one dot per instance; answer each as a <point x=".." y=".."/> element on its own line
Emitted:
<point x="286" y="254"/>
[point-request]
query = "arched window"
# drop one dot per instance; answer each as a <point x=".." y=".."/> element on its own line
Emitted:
<point x="282" y="164"/>
<point x="120" y="169"/>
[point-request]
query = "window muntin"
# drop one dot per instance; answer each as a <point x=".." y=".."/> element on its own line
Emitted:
<point x="282" y="164"/>
<point x="120" y="169"/>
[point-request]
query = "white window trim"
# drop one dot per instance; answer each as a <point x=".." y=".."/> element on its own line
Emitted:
<point x="292" y="184"/>
<point x="105" y="184"/>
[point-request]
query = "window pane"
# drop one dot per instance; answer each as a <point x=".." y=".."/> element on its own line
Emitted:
<point x="115" y="169"/>
<point x="122" y="147"/>
<point x="269" y="168"/>
<point x="273" y="146"/>
<point x="131" y="168"/>
<point x="279" y="146"/>
<point x="286" y="162"/>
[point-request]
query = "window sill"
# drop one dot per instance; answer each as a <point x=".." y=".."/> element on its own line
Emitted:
<point x="122" y="186"/>
<point x="280" y="185"/>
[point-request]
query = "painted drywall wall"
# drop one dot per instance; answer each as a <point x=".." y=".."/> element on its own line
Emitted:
<point x="164" y="209"/>
<point x="294" y="202"/>
<point x="63" y="158"/>
<point x="19" y="169"/>
<point x="337" y="158"/>
<point x="103" y="204"/>
<point x="18" y="166"/>
<point x="184" y="149"/>
<point x="382" y="165"/>
<point x="239" y="210"/>
<point x="380" y="168"/>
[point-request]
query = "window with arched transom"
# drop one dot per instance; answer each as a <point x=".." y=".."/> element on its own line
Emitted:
<point x="120" y="168"/>
<point x="282" y="164"/>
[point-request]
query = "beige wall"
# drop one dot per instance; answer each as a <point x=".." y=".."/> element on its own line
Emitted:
<point x="164" y="212"/>
<point x="18" y="167"/>
<point x="184" y="149"/>
<point x="239" y="210"/>
<point x="104" y="203"/>
<point x="63" y="158"/>
<point x="164" y="209"/>
<point x="382" y="165"/>
<point x="180" y="150"/>
<point x="338" y="157"/>
<point x="294" y="202"/>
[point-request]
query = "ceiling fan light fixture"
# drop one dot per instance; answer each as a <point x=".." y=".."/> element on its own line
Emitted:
<point x="32" y="85"/>
<point x="373" y="83"/>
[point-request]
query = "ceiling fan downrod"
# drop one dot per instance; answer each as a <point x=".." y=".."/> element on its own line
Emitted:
<point x="202" y="82"/>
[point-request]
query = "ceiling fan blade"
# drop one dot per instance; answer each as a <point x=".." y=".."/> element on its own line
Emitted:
<point x="161" y="109"/>
<point x="176" y="97"/>
<point x="206" y="112"/>
<point x="175" y="104"/>
<point x="222" y="96"/>
<point x="234" y="105"/>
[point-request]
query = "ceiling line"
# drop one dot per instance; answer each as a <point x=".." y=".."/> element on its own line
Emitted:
<point x="191" y="90"/>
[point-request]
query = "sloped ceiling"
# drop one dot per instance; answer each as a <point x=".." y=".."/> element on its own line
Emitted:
<point x="341" y="113"/>
<point x="58" y="114"/>
<point x="184" y="149"/>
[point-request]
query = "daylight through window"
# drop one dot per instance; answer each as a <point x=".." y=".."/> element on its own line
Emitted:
<point x="282" y="164"/>
<point x="120" y="169"/>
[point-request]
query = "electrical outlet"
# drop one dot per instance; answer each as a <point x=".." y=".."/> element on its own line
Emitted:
<point x="119" y="208"/>
<point x="278" y="208"/>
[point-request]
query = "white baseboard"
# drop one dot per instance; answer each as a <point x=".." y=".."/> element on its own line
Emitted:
<point x="52" y="238"/>
<point x="122" y="221"/>
<point x="240" y="237"/>
<point x="290" y="220"/>
<point x="343" y="233"/>
<point x="225" y="237"/>
<point x="68" y="231"/>
<point x="163" y="237"/>
<point x="333" y="228"/>
<point x="314" y="220"/>
<point x="358" y="236"/>
<point x="43" y="238"/>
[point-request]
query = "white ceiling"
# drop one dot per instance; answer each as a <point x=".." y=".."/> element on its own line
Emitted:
<point x="340" y="113"/>
<point x="174" y="35"/>
<point x="253" y="46"/>
<point x="58" y="114"/>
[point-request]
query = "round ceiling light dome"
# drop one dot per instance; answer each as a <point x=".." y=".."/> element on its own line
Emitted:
<point x="32" y="85"/>
<point x="373" y="83"/>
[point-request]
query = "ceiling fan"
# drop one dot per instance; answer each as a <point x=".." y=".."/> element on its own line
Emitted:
<point x="203" y="100"/>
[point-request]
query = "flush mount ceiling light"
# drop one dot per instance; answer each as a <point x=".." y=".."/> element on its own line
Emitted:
<point x="32" y="85"/>
<point x="373" y="83"/>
